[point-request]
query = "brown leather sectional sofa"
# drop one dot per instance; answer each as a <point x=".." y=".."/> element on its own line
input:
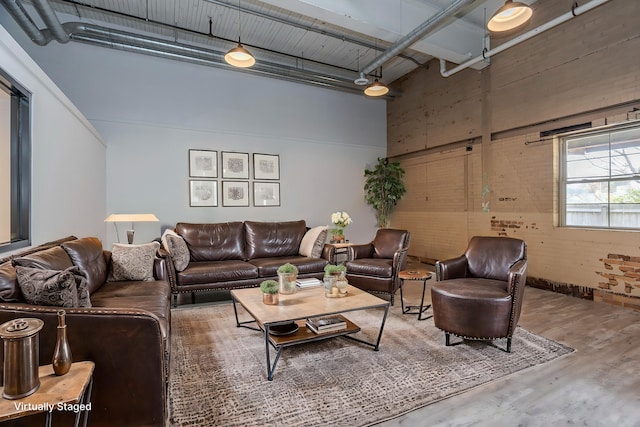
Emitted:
<point x="241" y="254"/>
<point x="126" y="333"/>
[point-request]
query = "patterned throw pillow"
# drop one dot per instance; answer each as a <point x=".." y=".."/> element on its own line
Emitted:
<point x="177" y="248"/>
<point x="67" y="288"/>
<point x="313" y="242"/>
<point x="133" y="262"/>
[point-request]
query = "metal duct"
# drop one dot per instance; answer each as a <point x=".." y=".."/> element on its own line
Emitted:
<point x="17" y="12"/>
<point x="415" y="35"/>
<point x="575" y="11"/>
<point x="51" y="20"/>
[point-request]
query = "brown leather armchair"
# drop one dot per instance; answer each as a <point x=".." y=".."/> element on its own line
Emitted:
<point x="374" y="266"/>
<point x="478" y="295"/>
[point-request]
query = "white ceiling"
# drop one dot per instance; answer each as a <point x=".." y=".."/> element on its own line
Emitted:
<point x="330" y="39"/>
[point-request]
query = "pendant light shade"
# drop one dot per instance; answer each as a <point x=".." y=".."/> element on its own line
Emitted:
<point x="239" y="57"/>
<point x="376" y="89"/>
<point x="509" y="17"/>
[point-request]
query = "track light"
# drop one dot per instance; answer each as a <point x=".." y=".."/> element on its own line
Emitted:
<point x="509" y="17"/>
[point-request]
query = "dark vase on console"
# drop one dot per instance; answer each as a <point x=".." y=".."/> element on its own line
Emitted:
<point x="62" y="353"/>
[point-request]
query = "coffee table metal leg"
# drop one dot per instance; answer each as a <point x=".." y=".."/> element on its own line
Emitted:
<point x="376" y="345"/>
<point x="243" y="324"/>
<point x="270" y="368"/>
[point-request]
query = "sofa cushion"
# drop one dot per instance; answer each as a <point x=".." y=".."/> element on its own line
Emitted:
<point x="380" y="267"/>
<point x="177" y="248"/>
<point x="87" y="254"/>
<point x="9" y="288"/>
<point x="273" y="239"/>
<point x="56" y="288"/>
<point x="50" y="259"/>
<point x="133" y="262"/>
<point x="268" y="267"/>
<point x="213" y="242"/>
<point x="217" y="271"/>
<point x="313" y="241"/>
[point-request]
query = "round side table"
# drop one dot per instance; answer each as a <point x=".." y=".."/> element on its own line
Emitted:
<point x="420" y="276"/>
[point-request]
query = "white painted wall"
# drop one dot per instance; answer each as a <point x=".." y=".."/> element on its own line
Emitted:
<point x="151" y="111"/>
<point x="69" y="158"/>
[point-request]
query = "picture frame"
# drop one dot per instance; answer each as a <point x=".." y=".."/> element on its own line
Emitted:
<point x="235" y="165"/>
<point x="203" y="164"/>
<point x="235" y="193"/>
<point x="266" y="166"/>
<point x="203" y="193"/>
<point x="266" y="194"/>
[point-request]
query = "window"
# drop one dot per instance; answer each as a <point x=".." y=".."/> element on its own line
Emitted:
<point x="600" y="178"/>
<point x="15" y="165"/>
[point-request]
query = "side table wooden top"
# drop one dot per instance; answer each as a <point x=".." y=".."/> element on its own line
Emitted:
<point x="414" y="275"/>
<point x="54" y="392"/>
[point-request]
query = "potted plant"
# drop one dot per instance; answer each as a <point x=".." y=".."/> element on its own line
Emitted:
<point x="340" y="220"/>
<point x="287" y="276"/>
<point x="335" y="283"/>
<point x="269" y="290"/>
<point x="383" y="188"/>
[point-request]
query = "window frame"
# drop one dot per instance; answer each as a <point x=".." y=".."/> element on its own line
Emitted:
<point x="20" y="147"/>
<point x="563" y="181"/>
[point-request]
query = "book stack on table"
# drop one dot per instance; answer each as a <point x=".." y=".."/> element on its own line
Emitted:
<point x="308" y="283"/>
<point x="326" y="324"/>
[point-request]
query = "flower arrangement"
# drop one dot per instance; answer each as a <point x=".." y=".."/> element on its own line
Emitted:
<point x="340" y="219"/>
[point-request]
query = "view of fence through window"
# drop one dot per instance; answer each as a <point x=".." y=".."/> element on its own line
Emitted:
<point x="601" y="178"/>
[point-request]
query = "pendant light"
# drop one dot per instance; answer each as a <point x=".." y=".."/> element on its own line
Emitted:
<point x="510" y="17"/>
<point x="239" y="56"/>
<point x="377" y="88"/>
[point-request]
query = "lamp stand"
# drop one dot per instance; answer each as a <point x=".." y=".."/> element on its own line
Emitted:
<point x="130" y="236"/>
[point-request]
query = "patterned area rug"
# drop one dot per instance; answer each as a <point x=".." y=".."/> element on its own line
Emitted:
<point x="218" y="371"/>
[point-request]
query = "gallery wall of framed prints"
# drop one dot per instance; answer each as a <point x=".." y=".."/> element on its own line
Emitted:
<point x="235" y="187"/>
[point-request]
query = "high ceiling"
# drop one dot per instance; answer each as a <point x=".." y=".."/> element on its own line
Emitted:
<point x="322" y="42"/>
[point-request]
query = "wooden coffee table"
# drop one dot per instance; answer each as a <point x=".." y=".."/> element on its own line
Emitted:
<point x="305" y="303"/>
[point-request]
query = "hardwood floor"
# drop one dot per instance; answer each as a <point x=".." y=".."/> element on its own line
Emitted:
<point x="597" y="385"/>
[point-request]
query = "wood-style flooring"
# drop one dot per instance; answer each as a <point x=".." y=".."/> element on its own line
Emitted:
<point x="597" y="385"/>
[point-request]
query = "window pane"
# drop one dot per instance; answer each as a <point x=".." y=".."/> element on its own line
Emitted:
<point x="625" y="155"/>
<point x="587" y="157"/>
<point x="625" y="204"/>
<point x="5" y="166"/>
<point x="587" y="204"/>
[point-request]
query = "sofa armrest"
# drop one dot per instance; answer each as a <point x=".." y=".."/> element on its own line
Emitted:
<point x="517" y="277"/>
<point x="170" y="274"/>
<point x="328" y="252"/>
<point x="453" y="268"/>
<point x="128" y="350"/>
<point x="361" y="251"/>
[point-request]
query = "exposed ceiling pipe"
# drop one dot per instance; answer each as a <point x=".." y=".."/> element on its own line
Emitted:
<point x="575" y="11"/>
<point x="415" y="35"/>
<point x="51" y="20"/>
<point x="16" y="10"/>
<point x="130" y="42"/>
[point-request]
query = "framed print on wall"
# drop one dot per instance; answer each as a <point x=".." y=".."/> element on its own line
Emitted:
<point x="203" y="164"/>
<point x="235" y="165"/>
<point x="203" y="193"/>
<point x="266" y="193"/>
<point x="266" y="166"/>
<point x="235" y="193"/>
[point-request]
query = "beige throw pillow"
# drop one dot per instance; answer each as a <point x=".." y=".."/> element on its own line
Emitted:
<point x="313" y="242"/>
<point x="177" y="248"/>
<point x="133" y="262"/>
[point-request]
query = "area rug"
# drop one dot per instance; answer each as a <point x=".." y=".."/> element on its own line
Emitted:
<point x="218" y="371"/>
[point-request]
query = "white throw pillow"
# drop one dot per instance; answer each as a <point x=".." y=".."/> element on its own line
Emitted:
<point x="313" y="241"/>
<point x="177" y="248"/>
<point x="133" y="262"/>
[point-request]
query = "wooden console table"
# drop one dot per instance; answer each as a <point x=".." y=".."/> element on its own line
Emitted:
<point x="69" y="392"/>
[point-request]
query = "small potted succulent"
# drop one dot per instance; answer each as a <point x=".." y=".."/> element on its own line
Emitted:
<point x="335" y="283"/>
<point x="269" y="290"/>
<point x="287" y="276"/>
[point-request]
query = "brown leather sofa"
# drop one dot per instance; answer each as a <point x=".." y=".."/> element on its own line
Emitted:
<point x="478" y="295"/>
<point x="126" y="333"/>
<point x="374" y="266"/>
<point x="235" y="255"/>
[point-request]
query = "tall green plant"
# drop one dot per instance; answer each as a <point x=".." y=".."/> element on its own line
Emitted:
<point x="383" y="188"/>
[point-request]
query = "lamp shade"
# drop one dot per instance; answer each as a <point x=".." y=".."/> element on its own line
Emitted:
<point x="376" y="89"/>
<point x="509" y="17"/>
<point x="239" y="57"/>
<point x="131" y="218"/>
